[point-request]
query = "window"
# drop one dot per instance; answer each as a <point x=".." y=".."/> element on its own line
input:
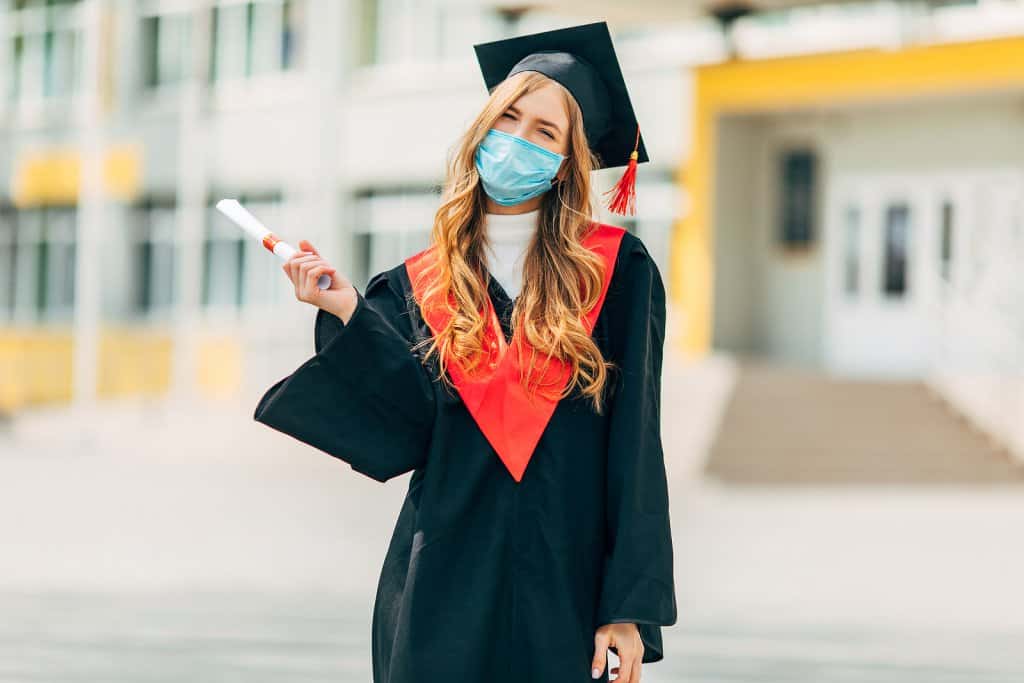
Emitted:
<point x="393" y="225"/>
<point x="365" y="50"/>
<point x="627" y="222"/>
<point x="153" y="258"/>
<point x="165" y="45"/>
<point x="264" y="283"/>
<point x="386" y="249"/>
<point x="459" y="26"/>
<point x="43" y="244"/>
<point x="230" y="42"/>
<point x="255" y="38"/>
<point x="851" y="251"/>
<point x="272" y="39"/>
<point x="427" y="32"/>
<point x="291" y="30"/>
<point x="33" y="4"/>
<point x="797" y="203"/>
<point x="7" y="251"/>
<point x="946" y="242"/>
<point x="44" y="50"/>
<point x="223" y="260"/>
<point x="896" y="239"/>
<point x="28" y="233"/>
<point x="234" y="272"/>
<point x="57" y="291"/>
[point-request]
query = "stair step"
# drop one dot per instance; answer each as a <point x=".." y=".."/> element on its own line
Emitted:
<point x="794" y="425"/>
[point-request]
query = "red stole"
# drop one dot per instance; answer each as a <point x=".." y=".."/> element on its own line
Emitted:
<point x="510" y="418"/>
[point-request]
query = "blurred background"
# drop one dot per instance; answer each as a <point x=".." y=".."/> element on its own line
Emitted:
<point x="835" y="199"/>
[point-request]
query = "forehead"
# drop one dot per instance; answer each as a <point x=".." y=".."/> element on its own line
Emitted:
<point x="546" y="102"/>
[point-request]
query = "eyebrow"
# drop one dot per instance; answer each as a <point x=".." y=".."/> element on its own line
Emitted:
<point x="545" y="122"/>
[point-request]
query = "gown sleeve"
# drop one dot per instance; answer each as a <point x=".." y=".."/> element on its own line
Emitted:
<point x="364" y="397"/>
<point x="637" y="584"/>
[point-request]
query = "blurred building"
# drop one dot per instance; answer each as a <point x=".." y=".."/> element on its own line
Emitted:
<point x="836" y="186"/>
<point x="856" y="180"/>
<point x="124" y="121"/>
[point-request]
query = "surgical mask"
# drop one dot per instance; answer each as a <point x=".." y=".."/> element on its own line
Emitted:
<point x="512" y="169"/>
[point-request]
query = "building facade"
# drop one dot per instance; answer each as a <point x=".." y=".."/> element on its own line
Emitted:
<point x="838" y="187"/>
<point x="125" y="121"/>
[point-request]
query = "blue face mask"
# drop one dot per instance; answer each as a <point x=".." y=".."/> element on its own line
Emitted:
<point x="512" y="169"/>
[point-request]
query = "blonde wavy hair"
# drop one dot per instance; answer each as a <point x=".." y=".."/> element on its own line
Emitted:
<point x="562" y="279"/>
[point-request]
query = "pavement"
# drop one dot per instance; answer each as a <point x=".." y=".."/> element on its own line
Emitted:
<point x="154" y="542"/>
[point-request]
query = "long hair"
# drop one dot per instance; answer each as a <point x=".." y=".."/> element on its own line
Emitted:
<point x="562" y="279"/>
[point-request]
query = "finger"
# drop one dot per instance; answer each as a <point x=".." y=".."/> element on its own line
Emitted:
<point x="601" y="640"/>
<point x="314" y="275"/>
<point x="625" y="667"/>
<point x="302" y="257"/>
<point x="636" y="669"/>
<point x="302" y="280"/>
<point x="300" y="253"/>
<point x="304" y="266"/>
<point x="305" y="245"/>
<point x="295" y="261"/>
<point x="311" y="273"/>
<point x="298" y="267"/>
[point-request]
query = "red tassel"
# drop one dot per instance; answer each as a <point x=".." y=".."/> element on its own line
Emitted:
<point x="624" y="192"/>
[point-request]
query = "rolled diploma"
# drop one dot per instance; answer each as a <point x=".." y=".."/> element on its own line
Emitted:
<point x="241" y="217"/>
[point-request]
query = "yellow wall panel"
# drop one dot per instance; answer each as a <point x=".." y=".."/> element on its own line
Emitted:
<point x="134" y="363"/>
<point x="219" y="367"/>
<point x="36" y="365"/>
<point x="122" y="171"/>
<point x="49" y="177"/>
<point x="35" y="368"/>
<point x="53" y="176"/>
<point x="810" y="80"/>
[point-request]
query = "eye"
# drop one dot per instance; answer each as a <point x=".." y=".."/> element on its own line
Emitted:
<point x="508" y="115"/>
<point x="548" y="134"/>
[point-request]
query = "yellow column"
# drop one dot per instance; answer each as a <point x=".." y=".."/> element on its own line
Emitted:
<point x="691" y="257"/>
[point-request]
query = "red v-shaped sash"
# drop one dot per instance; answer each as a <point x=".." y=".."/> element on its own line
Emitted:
<point x="510" y="419"/>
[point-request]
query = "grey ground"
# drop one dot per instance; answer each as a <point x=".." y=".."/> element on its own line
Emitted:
<point x="158" y="545"/>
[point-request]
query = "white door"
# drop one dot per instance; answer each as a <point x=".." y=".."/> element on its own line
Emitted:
<point x="897" y="245"/>
<point x="881" y="281"/>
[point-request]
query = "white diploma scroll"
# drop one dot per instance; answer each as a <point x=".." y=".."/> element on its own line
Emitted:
<point x="241" y="217"/>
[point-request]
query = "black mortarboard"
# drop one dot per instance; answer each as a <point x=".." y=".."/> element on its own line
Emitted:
<point x="581" y="58"/>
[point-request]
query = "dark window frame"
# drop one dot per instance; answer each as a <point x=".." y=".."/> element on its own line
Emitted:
<point x="797" y="215"/>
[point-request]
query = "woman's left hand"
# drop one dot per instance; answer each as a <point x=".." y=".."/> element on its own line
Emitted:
<point x="625" y="638"/>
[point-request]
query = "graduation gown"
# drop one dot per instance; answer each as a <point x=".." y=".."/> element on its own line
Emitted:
<point x="503" y="562"/>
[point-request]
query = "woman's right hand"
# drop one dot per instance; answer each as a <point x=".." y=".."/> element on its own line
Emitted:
<point x="305" y="267"/>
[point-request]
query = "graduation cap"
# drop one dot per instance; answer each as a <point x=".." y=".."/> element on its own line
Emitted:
<point x="581" y="58"/>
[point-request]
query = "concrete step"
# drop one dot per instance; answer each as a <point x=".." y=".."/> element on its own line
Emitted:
<point x="795" y="425"/>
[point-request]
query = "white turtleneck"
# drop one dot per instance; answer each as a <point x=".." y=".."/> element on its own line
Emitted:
<point x="509" y="235"/>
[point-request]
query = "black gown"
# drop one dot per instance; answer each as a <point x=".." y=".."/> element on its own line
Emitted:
<point x="487" y="579"/>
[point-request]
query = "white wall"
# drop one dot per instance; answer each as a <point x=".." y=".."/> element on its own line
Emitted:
<point x="774" y="305"/>
<point x="736" y="269"/>
<point x="767" y="300"/>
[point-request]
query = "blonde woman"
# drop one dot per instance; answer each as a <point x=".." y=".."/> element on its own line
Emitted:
<point x="514" y="368"/>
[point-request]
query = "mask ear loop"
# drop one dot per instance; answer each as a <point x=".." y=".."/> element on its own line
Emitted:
<point x="561" y="200"/>
<point x="558" y="181"/>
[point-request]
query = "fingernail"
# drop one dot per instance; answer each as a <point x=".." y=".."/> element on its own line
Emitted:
<point x="595" y="673"/>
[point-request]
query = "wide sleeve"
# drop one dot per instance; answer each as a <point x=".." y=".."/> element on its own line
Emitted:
<point x="638" y="585"/>
<point x="364" y="397"/>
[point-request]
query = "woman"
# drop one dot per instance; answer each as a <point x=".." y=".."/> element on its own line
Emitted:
<point x="534" y="535"/>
